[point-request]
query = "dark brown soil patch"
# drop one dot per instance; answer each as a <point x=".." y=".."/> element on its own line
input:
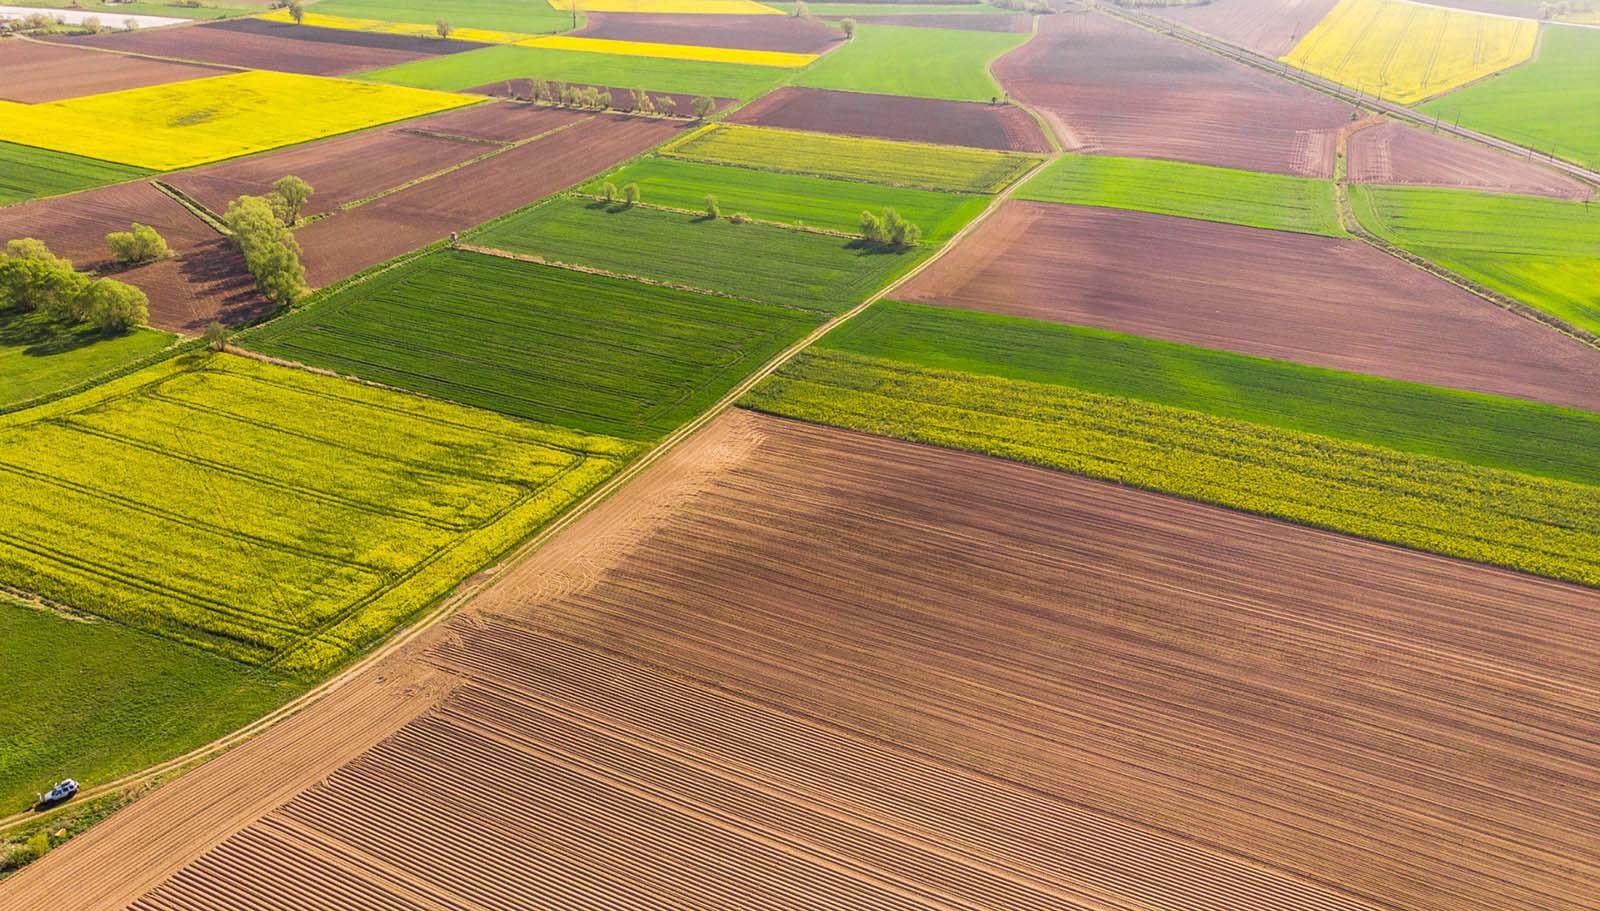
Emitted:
<point x="1112" y="88"/>
<point x="1395" y="153"/>
<point x="497" y="122"/>
<point x="965" y="123"/>
<point x="209" y="283"/>
<point x="760" y="33"/>
<point x="209" y="44"/>
<point x="1268" y="27"/>
<point x="1017" y="23"/>
<point x="35" y="72"/>
<point x="1295" y="297"/>
<point x="288" y="31"/>
<point x="76" y="226"/>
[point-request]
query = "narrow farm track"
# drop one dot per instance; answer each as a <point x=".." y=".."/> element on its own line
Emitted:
<point x="955" y="682"/>
<point x="112" y="847"/>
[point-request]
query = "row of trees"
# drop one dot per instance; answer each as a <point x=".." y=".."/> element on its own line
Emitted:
<point x="593" y="98"/>
<point x="32" y="279"/>
<point x="802" y="11"/>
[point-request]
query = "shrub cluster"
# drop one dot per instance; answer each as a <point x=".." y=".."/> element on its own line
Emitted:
<point x="270" y="251"/>
<point x="32" y="279"/>
<point x="141" y="244"/>
<point x="889" y="230"/>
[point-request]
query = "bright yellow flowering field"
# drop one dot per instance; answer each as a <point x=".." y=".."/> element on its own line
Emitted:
<point x="180" y="124"/>
<point x="672" y="51"/>
<point x="1408" y="52"/>
<point x="415" y="29"/>
<point x="682" y="7"/>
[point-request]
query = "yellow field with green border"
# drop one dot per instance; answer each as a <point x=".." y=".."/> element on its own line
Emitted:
<point x="180" y="124"/>
<point x="414" y="29"/>
<point x="671" y="51"/>
<point x="680" y="7"/>
<point x="1408" y="52"/>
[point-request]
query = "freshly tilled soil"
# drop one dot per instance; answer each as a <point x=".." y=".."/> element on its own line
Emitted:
<point x="986" y="126"/>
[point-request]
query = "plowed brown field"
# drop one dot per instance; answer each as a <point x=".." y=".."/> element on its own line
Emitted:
<point x="1314" y="300"/>
<point x="759" y="33"/>
<point x="347" y="242"/>
<point x="847" y="672"/>
<point x="496" y="122"/>
<point x="37" y="72"/>
<point x="621" y="96"/>
<point x="1394" y="153"/>
<point x="1112" y="88"/>
<point x="964" y="123"/>
<point x="339" y="170"/>
<point x="76" y="226"/>
<point x="1268" y="27"/>
<point x="209" y="44"/>
<point x="209" y="282"/>
<point x="972" y="22"/>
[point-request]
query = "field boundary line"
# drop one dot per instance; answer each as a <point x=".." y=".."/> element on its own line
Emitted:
<point x="537" y="260"/>
<point x="199" y="211"/>
<point x="121" y="53"/>
<point x="475" y="584"/>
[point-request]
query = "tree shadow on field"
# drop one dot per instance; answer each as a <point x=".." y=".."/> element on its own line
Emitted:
<point x="868" y="248"/>
<point x="38" y="337"/>
<point x="610" y="208"/>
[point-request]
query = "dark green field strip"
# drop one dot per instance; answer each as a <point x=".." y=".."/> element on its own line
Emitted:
<point x="29" y="173"/>
<point x="1494" y="432"/>
<point x="1522" y="522"/>
<point x="1277" y="202"/>
<point x="98" y="700"/>
<point x="581" y="350"/>
<point x="1543" y="252"/>
<point x="799" y="269"/>
<point x="795" y="199"/>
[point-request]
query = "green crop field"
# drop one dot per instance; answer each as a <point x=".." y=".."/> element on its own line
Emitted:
<point x="271" y="515"/>
<point x="905" y="164"/>
<point x="472" y="69"/>
<point x="815" y="272"/>
<point x="527" y="16"/>
<point x="890" y="9"/>
<point x="1533" y="524"/>
<point x="96" y="701"/>
<point x="599" y="354"/>
<point x="1543" y="252"/>
<point x="111" y="13"/>
<point x="1274" y="201"/>
<point x="1494" y="432"/>
<point x="29" y="173"/>
<point x="1550" y="104"/>
<point x="920" y="62"/>
<point x="796" y="199"/>
<point x="38" y="359"/>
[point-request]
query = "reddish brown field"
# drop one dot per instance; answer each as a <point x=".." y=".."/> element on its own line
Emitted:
<point x="972" y="22"/>
<point x="1112" y="88"/>
<point x="965" y="123"/>
<point x="759" y="33"/>
<point x="339" y="170"/>
<point x="209" y="44"/>
<point x="1268" y="27"/>
<point x="947" y="682"/>
<point x="1295" y="297"/>
<point x="496" y="122"/>
<point x="621" y="96"/>
<point x="1393" y="153"/>
<point x="76" y="226"/>
<point x="36" y="72"/>
<point x="208" y="283"/>
<point x="347" y="242"/>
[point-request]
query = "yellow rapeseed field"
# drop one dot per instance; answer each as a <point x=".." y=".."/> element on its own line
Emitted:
<point x="681" y="7"/>
<point x="673" y="51"/>
<point x="1407" y="52"/>
<point x="415" y="29"/>
<point x="180" y="124"/>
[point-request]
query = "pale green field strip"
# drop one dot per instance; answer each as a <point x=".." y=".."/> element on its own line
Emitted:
<point x="30" y="173"/>
<point x="1494" y="432"/>
<point x="37" y="358"/>
<point x="1527" y="523"/>
<point x="599" y="354"/>
<point x="1274" y="201"/>
<point x="904" y="164"/>
<point x="817" y="273"/>
<point x="485" y="66"/>
<point x="272" y="515"/>
<point x="526" y="16"/>
<point x="951" y="64"/>
<point x="1551" y="104"/>
<point x="97" y="700"/>
<point x="1542" y="252"/>
<point x="794" y="199"/>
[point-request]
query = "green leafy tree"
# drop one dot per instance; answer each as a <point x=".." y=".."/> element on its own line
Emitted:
<point x="443" y="28"/>
<point x="801" y="11"/>
<point x="270" y="251"/>
<point x="609" y="192"/>
<point x="643" y="103"/>
<point x="872" y="228"/>
<point x="630" y="195"/>
<point x="217" y="336"/>
<point x="297" y="11"/>
<point x="113" y="306"/>
<point x="848" y="26"/>
<point x="289" y="195"/>
<point x="141" y="244"/>
<point x="32" y="278"/>
<point x="702" y="107"/>
<point x="712" y="209"/>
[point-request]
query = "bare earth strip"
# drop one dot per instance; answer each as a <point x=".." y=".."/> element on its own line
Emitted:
<point x="497" y="122"/>
<point x="756" y="33"/>
<point x="963" y="123"/>
<point x="1015" y="23"/>
<point x="1393" y="153"/>
<point x="1112" y="88"/>
<point x="948" y="682"/>
<point x="1313" y="300"/>
<point x="1268" y="27"/>
<point x="210" y="44"/>
<point x="36" y="72"/>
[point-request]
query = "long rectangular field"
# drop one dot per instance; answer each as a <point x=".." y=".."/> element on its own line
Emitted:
<point x="942" y="63"/>
<point x="271" y="515"/>
<point x="908" y="164"/>
<point x="598" y="354"/>
<point x="37" y="358"/>
<point x="818" y="273"/>
<point x="955" y="682"/>
<point x="29" y="173"/>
